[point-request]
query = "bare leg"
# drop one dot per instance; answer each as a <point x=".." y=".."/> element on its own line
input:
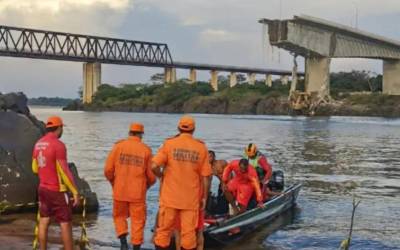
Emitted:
<point x="66" y="233"/>
<point x="242" y="209"/>
<point x="43" y="228"/>
<point x="177" y="235"/>
<point x="231" y="199"/>
<point x="200" y="240"/>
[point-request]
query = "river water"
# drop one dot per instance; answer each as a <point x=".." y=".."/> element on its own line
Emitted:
<point x="335" y="158"/>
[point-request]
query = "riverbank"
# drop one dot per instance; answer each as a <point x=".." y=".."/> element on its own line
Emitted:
<point x="257" y="99"/>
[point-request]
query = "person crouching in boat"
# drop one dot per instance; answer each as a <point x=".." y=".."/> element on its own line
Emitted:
<point x="242" y="186"/>
<point x="261" y="165"/>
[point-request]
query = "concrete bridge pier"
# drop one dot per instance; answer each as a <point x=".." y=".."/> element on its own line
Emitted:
<point x="317" y="75"/>
<point x="91" y="80"/>
<point x="391" y="77"/>
<point x="214" y="80"/>
<point x="192" y="76"/>
<point x="169" y="75"/>
<point x="268" y="80"/>
<point x="252" y="78"/>
<point x="232" y="79"/>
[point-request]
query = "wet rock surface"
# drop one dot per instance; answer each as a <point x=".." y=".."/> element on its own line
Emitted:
<point x="19" y="130"/>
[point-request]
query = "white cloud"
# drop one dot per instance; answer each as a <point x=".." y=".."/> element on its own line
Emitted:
<point x="90" y="16"/>
<point x="221" y="32"/>
<point x="217" y="36"/>
<point x="57" y="5"/>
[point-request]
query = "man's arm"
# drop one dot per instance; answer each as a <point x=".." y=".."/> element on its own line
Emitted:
<point x="65" y="173"/>
<point x="227" y="173"/>
<point x="159" y="160"/>
<point x="263" y="162"/>
<point x="256" y="185"/>
<point x="35" y="166"/>
<point x="151" y="178"/>
<point x="206" y="186"/>
<point x="109" y="168"/>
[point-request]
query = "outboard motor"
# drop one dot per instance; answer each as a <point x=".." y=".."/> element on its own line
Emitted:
<point x="277" y="182"/>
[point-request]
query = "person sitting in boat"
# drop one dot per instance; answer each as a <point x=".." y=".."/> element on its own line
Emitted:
<point x="261" y="165"/>
<point x="217" y="166"/>
<point x="242" y="186"/>
<point x="217" y="204"/>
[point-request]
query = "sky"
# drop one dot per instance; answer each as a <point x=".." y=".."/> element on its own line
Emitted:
<point x="201" y="31"/>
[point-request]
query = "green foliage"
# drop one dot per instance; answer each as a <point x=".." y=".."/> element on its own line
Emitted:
<point x="355" y="81"/>
<point x="182" y="95"/>
<point x="50" y="101"/>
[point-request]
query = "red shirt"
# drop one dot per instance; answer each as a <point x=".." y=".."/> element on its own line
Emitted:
<point x="242" y="177"/>
<point x="49" y="161"/>
<point x="263" y="163"/>
<point x="250" y="177"/>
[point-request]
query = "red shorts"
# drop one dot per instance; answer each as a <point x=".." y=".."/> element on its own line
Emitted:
<point x="241" y="191"/>
<point x="200" y="222"/>
<point x="55" y="204"/>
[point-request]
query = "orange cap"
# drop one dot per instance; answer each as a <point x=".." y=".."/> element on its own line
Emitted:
<point x="186" y="123"/>
<point x="54" y="121"/>
<point x="136" y="127"/>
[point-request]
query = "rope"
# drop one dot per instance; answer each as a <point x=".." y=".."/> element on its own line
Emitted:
<point x="84" y="240"/>
<point x="36" y="231"/>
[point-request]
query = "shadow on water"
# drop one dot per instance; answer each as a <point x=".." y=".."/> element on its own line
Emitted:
<point x="255" y="241"/>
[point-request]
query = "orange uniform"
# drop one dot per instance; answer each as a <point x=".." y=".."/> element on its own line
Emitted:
<point x="184" y="161"/>
<point x="243" y="185"/>
<point x="128" y="169"/>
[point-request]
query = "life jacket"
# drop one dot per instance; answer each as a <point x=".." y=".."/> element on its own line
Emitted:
<point x="254" y="162"/>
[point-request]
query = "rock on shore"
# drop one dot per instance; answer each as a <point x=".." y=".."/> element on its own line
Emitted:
<point x="19" y="130"/>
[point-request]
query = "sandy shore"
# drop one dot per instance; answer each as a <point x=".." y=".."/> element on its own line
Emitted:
<point x="17" y="232"/>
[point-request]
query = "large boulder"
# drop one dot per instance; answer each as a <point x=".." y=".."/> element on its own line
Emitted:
<point x="19" y="130"/>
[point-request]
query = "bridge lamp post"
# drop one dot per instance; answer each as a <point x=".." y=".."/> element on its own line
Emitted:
<point x="356" y="13"/>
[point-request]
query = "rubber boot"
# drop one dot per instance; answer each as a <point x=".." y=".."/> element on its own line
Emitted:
<point x="124" y="242"/>
<point x="136" y="247"/>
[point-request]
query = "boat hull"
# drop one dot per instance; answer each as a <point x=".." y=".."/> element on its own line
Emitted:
<point x="247" y="222"/>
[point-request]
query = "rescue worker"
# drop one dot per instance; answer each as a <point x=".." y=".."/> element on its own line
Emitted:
<point x="261" y="165"/>
<point x="49" y="161"/>
<point x="182" y="162"/>
<point x="242" y="186"/>
<point x="128" y="169"/>
<point x="199" y="228"/>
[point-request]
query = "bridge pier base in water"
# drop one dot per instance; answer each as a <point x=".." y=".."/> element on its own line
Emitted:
<point x="91" y="80"/>
<point x="391" y="77"/>
<point x="317" y="76"/>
